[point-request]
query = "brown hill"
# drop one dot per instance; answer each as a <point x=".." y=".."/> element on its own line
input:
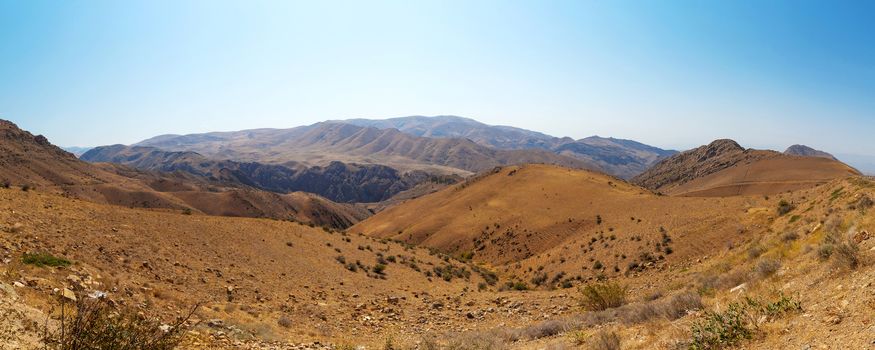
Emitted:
<point x="724" y="168"/>
<point x="32" y="161"/>
<point x="321" y="143"/>
<point x="538" y="219"/>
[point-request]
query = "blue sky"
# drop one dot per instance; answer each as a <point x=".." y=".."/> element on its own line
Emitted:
<point x="675" y="74"/>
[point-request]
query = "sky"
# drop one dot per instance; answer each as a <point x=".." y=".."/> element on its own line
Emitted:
<point x="673" y="74"/>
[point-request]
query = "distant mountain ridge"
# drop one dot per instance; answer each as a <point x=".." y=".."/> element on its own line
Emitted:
<point x="322" y="143"/>
<point x="618" y="157"/>
<point x="337" y="181"/>
<point x="442" y="143"/>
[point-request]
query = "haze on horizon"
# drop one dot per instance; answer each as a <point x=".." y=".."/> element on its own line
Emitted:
<point x="670" y="74"/>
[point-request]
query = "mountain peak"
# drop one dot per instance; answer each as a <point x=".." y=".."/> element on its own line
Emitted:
<point x="805" y="151"/>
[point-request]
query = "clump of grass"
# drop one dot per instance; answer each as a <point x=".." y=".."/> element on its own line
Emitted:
<point x="602" y="296"/>
<point x="44" y="259"/>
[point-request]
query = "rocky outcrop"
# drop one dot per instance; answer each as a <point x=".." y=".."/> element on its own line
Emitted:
<point x="696" y="163"/>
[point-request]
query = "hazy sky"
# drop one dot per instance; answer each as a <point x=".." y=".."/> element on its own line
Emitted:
<point x="673" y="74"/>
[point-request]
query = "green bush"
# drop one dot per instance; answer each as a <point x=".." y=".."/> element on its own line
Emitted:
<point x="602" y="296"/>
<point x="44" y="259"/>
<point x="738" y="322"/>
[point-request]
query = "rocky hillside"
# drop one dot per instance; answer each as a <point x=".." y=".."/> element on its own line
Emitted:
<point x="336" y="181"/>
<point x="696" y="163"/>
<point x="26" y="159"/>
<point x="723" y="168"/>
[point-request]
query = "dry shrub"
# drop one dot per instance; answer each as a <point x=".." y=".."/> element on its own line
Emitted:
<point x="790" y="236"/>
<point x="846" y="255"/>
<point x="766" y="267"/>
<point x="755" y="252"/>
<point x="95" y="324"/>
<point x="602" y="296"/>
<point x="486" y="340"/>
<point x="605" y="340"/>
<point x="284" y="321"/>
<point x="680" y="304"/>
<point x="709" y="281"/>
<point x="670" y="308"/>
<point x="824" y="251"/>
<point x="544" y="329"/>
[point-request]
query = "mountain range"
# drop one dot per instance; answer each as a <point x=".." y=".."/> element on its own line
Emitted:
<point x="443" y="144"/>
